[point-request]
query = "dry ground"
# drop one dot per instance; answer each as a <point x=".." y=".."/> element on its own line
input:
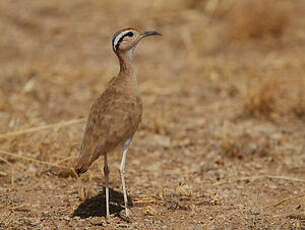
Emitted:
<point x="221" y="145"/>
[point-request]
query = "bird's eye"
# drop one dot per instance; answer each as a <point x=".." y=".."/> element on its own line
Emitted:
<point x="130" y="34"/>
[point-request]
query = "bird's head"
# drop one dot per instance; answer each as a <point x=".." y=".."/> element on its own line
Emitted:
<point x="127" y="39"/>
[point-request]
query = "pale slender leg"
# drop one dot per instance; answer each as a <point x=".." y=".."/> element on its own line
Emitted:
<point x="122" y="172"/>
<point x="106" y="172"/>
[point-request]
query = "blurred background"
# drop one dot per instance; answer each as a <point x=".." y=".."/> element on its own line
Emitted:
<point x="223" y="92"/>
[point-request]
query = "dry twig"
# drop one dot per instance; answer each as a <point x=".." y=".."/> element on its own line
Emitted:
<point x="35" y="129"/>
<point x="231" y="181"/>
<point x="31" y="159"/>
<point x="286" y="199"/>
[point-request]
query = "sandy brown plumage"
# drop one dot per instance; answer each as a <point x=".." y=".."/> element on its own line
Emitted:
<point x="114" y="116"/>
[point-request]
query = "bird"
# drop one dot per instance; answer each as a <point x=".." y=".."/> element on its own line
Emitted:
<point x="116" y="114"/>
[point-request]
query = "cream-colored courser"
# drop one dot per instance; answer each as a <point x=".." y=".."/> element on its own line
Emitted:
<point x="115" y="115"/>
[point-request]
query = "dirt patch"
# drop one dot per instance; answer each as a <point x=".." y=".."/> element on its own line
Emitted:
<point x="221" y="145"/>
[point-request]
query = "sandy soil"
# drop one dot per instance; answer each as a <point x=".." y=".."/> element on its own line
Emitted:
<point x="221" y="145"/>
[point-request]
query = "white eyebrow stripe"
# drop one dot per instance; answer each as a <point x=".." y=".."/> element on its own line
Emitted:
<point x="117" y="38"/>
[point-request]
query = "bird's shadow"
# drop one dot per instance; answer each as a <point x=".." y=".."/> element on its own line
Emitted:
<point x="96" y="206"/>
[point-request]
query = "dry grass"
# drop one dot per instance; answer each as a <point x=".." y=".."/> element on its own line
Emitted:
<point x="275" y="97"/>
<point x="261" y="99"/>
<point x="179" y="198"/>
<point x="258" y="19"/>
<point x="222" y="123"/>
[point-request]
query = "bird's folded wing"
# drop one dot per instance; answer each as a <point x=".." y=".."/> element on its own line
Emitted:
<point x="112" y="120"/>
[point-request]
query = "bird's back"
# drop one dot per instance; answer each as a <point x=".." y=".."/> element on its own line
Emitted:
<point x="113" y="119"/>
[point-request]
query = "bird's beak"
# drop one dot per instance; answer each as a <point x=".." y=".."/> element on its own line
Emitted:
<point x="146" y="34"/>
<point x="150" y="33"/>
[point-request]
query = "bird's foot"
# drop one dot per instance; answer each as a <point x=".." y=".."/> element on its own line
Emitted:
<point x="108" y="219"/>
<point x="127" y="215"/>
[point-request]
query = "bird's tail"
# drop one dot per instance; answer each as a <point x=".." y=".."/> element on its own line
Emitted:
<point x="80" y="168"/>
<point x="84" y="162"/>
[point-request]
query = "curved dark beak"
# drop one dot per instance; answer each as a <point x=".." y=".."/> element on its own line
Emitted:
<point x="150" y="33"/>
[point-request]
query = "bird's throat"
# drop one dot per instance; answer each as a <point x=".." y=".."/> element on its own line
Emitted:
<point x="126" y="66"/>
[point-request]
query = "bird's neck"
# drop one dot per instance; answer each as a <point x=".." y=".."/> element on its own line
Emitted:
<point x="126" y="66"/>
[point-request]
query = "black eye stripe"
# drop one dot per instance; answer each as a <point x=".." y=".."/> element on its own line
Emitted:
<point x="129" y="34"/>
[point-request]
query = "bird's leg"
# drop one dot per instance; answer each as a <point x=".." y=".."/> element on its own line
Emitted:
<point x="122" y="172"/>
<point x="106" y="172"/>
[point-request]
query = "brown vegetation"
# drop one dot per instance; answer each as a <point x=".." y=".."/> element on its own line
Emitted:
<point x="259" y="19"/>
<point x="221" y="145"/>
